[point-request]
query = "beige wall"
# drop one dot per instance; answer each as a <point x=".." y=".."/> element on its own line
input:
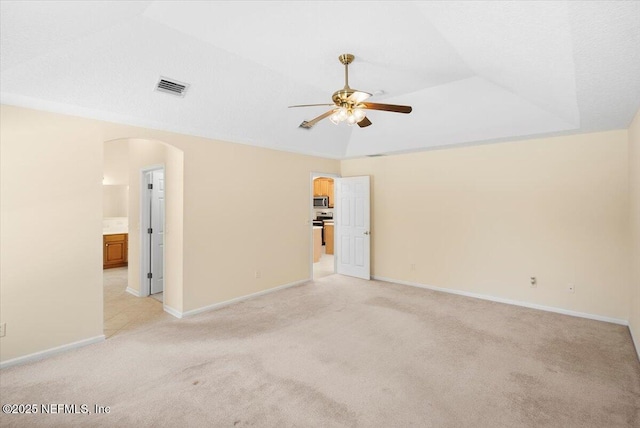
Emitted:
<point x="174" y="230"/>
<point x="484" y="219"/>
<point x="245" y="209"/>
<point x="634" y="199"/>
<point x="51" y="226"/>
<point x="115" y="179"/>
<point x="250" y="210"/>
<point x="115" y="200"/>
<point x="116" y="163"/>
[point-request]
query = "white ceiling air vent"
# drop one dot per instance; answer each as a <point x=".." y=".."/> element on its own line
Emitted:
<point x="172" y="86"/>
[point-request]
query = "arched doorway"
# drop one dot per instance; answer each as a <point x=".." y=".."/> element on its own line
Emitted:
<point x="127" y="163"/>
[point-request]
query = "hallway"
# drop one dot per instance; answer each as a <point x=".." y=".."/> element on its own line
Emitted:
<point x="124" y="312"/>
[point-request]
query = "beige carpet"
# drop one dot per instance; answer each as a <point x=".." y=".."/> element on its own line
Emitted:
<point x="341" y="352"/>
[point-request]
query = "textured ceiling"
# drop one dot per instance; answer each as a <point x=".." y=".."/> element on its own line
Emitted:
<point x="474" y="72"/>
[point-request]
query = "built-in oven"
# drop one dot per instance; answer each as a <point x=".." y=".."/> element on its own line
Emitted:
<point x="320" y="202"/>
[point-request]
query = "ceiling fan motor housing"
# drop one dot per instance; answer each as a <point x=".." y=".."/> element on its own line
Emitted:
<point x="340" y="97"/>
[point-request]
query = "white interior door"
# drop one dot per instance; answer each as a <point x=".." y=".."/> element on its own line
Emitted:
<point x="153" y="209"/>
<point x="157" y="235"/>
<point x="353" y="237"/>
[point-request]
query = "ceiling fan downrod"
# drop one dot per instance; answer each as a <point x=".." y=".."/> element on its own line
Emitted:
<point x="340" y="97"/>
<point x="346" y="59"/>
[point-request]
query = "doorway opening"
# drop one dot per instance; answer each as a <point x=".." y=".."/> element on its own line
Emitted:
<point x="322" y="204"/>
<point x="136" y="163"/>
<point x="125" y="159"/>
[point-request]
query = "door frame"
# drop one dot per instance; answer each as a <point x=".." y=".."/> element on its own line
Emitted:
<point x="145" y="256"/>
<point x="311" y="211"/>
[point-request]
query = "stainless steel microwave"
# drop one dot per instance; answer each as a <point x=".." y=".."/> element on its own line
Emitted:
<point x="320" y="202"/>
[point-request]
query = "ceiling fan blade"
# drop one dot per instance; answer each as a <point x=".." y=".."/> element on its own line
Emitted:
<point x="308" y="124"/>
<point x="311" y="105"/>
<point x="387" y="107"/>
<point x="364" y="122"/>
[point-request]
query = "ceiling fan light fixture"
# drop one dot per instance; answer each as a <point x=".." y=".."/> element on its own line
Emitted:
<point x="335" y="118"/>
<point x="347" y="114"/>
<point x="359" y="114"/>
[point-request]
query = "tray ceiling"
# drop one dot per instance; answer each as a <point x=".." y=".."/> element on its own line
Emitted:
<point x="474" y="72"/>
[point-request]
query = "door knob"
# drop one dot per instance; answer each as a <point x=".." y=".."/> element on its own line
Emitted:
<point x="366" y="232"/>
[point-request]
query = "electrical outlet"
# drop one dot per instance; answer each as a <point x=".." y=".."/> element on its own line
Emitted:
<point x="258" y="274"/>
<point x="3" y="329"/>
<point x="571" y="288"/>
<point x="413" y="266"/>
<point x="533" y="281"/>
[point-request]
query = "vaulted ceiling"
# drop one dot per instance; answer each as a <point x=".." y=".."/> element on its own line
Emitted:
<point x="474" y="72"/>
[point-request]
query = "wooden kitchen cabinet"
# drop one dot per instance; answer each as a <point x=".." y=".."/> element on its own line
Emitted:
<point x="328" y="238"/>
<point x="316" y="187"/>
<point x="317" y="244"/>
<point x="323" y="186"/>
<point x="115" y="250"/>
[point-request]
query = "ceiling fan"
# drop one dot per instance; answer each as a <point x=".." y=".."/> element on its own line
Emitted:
<point x="349" y="104"/>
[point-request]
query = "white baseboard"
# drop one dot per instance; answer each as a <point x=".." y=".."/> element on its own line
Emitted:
<point x="133" y="291"/>
<point x="168" y="309"/>
<point x="232" y="301"/>
<point x="507" y="301"/>
<point x="49" y="352"/>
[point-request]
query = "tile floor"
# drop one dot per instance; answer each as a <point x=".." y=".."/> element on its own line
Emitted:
<point x="324" y="267"/>
<point x="124" y="312"/>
